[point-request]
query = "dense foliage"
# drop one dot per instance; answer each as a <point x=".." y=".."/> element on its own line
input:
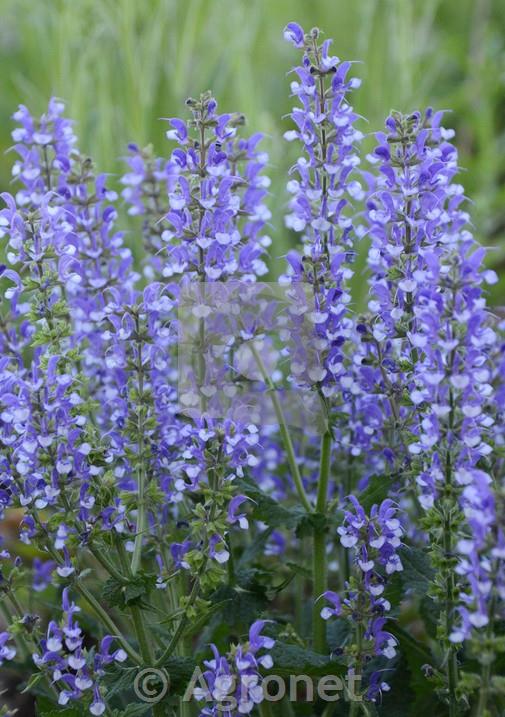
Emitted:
<point x="157" y="534"/>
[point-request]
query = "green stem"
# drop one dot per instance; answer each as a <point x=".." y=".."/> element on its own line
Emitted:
<point x="231" y="562"/>
<point x="361" y="620"/>
<point x="452" y="660"/>
<point x="105" y="563"/>
<point x="299" y="594"/>
<point x="18" y="639"/>
<point x="181" y="648"/>
<point x="15" y="603"/>
<point x="182" y="625"/>
<point x="195" y="590"/>
<point x="202" y="337"/>
<point x="108" y="622"/>
<point x="324" y="473"/>
<point x="141" y="634"/>
<point x="28" y="643"/>
<point x="122" y="554"/>
<point x="287" y="708"/>
<point x="136" y="613"/>
<point x="159" y="710"/>
<point x="184" y="708"/>
<point x="46" y="168"/>
<point x="266" y="709"/>
<point x="319" y="572"/>
<point x="487" y="658"/>
<point x="283" y="427"/>
<point x="355" y="707"/>
<point x="319" y="549"/>
<point x="484" y="690"/>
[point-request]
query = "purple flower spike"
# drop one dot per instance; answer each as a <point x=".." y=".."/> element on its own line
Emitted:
<point x="375" y="541"/>
<point x="322" y="189"/>
<point x="236" y="676"/>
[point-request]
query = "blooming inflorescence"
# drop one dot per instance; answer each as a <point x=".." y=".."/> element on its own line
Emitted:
<point x="231" y="683"/>
<point x="150" y="523"/>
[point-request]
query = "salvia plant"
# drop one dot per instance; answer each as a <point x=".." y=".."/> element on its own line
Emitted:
<point x="166" y="554"/>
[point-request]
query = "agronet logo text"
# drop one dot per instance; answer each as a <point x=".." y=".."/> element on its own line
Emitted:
<point x="229" y="692"/>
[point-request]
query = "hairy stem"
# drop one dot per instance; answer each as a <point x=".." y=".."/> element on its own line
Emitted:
<point x="485" y="676"/>
<point x="100" y="613"/>
<point x="28" y="643"/>
<point x="355" y="707"/>
<point x="452" y="662"/>
<point x="20" y="641"/>
<point x="106" y="563"/>
<point x="136" y="613"/>
<point x="283" y="427"/>
<point x="141" y="633"/>
<point x="319" y="549"/>
<point x="108" y="622"/>
<point x="266" y="709"/>
<point x="195" y="591"/>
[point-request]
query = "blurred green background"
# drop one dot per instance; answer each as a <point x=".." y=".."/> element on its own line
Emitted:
<point x="123" y="64"/>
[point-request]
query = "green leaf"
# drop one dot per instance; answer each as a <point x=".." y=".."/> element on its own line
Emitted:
<point x="429" y="610"/>
<point x="268" y="510"/>
<point x="118" y="594"/>
<point x="241" y="607"/>
<point x="46" y="707"/>
<point x="134" y="591"/>
<point x="200" y="622"/>
<point x="376" y="491"/>
<point x="74" y="711"/>
<point x="411" y="693"/>
<point x="394" y="593"/>
<point x="112" y="592"/>
<point x="299" y="569"/>
<point x="180" y="671"/>
<point x="337" y="633"/>
<point x="294" y="660"/>
<point x="418" y="573"/>
<point x="32" y="682"/>
<point x="309" y="522"/>
<point x="118" y="679"/>
<point x="134" y="710"/>
<point x="257" y="547"/>
<point x="411" y="647"/>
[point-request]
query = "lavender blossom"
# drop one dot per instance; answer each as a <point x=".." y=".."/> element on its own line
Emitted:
<point x="7" y="652"/>
<point x="434" y="345"/>
<point x="375" y="541"/>
<point x="233" y="682"/>
<point x="65" y="659"/>
<point x="321" y="195"/>
<point x="204" y="207"/>
<point x="46" y="149"/>
<point x="137" y="499"/>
